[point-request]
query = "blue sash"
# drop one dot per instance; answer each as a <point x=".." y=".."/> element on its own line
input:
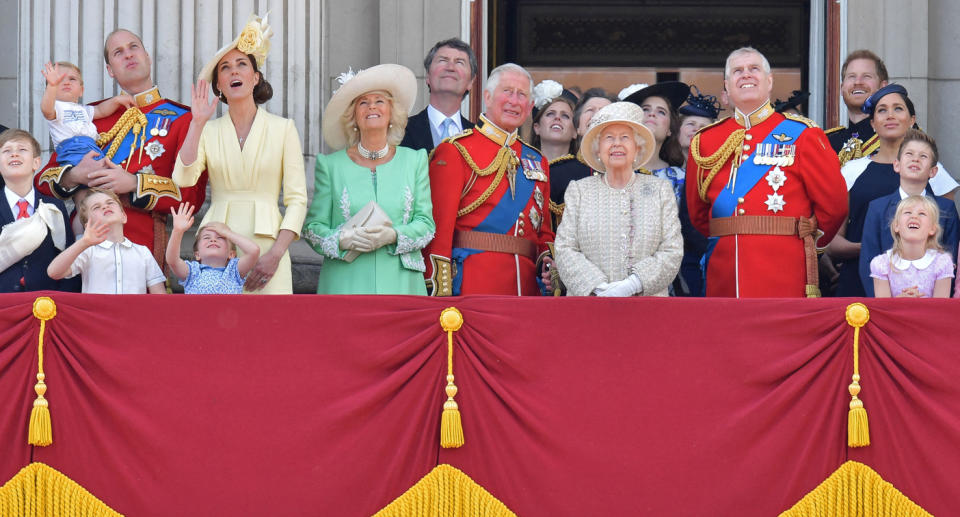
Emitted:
<point x="503" y="216"/>
<point x="155" y="117"/>
<point x="748" y="175"/>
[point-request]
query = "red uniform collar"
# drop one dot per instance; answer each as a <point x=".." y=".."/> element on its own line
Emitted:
<point x="495" y="133"/>
<point x="748" y="120"/>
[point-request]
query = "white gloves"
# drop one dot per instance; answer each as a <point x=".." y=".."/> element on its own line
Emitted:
<point x="367" y="239"/>
<point x="356" y="240"/>
<point x="627" y="287"/>
<point x="380" y="235"/>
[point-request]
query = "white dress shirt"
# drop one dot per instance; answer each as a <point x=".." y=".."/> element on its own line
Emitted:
<point x="13" y="198"/>
<point x="436" y="124"/>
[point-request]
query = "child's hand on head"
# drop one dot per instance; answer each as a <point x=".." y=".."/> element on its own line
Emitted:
<point x="52" y="73"/>
<point x="221" y="229"/>
<point x="182" y="217"/>
<point x="126" y="100"/>
<point x="95" y="232"/>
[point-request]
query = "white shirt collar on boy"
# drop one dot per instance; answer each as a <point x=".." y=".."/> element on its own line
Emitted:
<point x="13" y="198"/>
<point x="904" y="195"/>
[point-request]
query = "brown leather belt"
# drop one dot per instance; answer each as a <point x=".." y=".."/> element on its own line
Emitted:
<point x="495" y="242"/>
<point x="803" y="227"/>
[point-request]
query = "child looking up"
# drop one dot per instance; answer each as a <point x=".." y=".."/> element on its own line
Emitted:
<point x="916" y="266"/>
<point x="916" y="164"/>
<point x="217" y="270"/>
<point x="108" y="262"/>
<point x="71" y="124"/>
<point x="35" y="226"/>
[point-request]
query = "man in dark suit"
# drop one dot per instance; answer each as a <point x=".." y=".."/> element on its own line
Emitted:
<point x="450" y="67"/>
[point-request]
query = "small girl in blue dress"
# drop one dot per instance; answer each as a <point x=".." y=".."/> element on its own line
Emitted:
<point x="217" y="270"/>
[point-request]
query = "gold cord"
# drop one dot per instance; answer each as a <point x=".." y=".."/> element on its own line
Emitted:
<point x="715" y="161"/>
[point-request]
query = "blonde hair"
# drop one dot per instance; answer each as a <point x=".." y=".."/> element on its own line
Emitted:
<point x="82" y="205"/>
<point x="67" y="64"/>
<point x="398" y="120"/>
<point x="933" y="241"/>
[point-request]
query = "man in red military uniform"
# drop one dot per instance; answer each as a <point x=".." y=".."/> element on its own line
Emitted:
<point x="144" y="156"/>
<point x="760" y="185"/>
<point x="490" y="193"/>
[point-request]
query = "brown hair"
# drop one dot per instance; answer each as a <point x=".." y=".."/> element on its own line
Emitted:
<point x="262" y="92"/>
<point x="19" y="134"/>
<point x="866" y="54"/>
<point x="67" y="64"/>
<point x="82" y="205"/>
<point x="572" y="147"/>
<point x="106" y="51"/>
<point x="915" y="135"/>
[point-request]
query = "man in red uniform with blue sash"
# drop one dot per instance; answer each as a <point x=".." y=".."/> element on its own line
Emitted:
<point x="144" y="156"/>
<point x="762" y="186"/>
<point x="490" y="192"/>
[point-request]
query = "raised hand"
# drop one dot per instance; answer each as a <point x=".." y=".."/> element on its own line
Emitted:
<point x="126" y="100"/>
<point x="52" y="73"/>
<point x="182" y="217"/>
<point x="95" y="232"/>
<point x="200" y="105"/>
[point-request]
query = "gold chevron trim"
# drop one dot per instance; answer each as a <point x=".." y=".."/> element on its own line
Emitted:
<point x="41" y="490"/>
<point x="446" y="492"/>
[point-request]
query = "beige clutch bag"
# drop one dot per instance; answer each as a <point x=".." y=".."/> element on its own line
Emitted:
<point x="370" y="215"/>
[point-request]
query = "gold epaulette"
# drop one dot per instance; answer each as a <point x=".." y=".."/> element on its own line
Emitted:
<point x="153" y="187"/>
<point x="644" y="170"/>
<point x="450" y="140"/>
<point x="524" y="142"/>
<point x="834" y="129"/>
<point x="801" y="119"/>
<point x="563" y="158"/>
<point x="870" y="146"/>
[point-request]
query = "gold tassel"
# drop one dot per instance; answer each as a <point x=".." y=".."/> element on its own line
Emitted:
<point x="40" y="432"/>
<point x="451" y="429"/>
<point x="858" y="428"/>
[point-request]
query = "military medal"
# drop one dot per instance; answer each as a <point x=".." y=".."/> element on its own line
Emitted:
<point x="155" y="130"/>
<point x="776" y="178"/>
<point x="535" y="218"/>
<point x="164" y="127"/>
<point x="775" y="202"/>
<point x="155" y="149"/>
<point x="538" y="197"/>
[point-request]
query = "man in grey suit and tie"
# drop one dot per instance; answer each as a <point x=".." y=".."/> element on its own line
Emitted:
<point x="450" y="68"/>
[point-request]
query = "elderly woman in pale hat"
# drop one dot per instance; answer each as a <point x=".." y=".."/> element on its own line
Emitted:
<point x="249" y="155"/>
<point x="371" y="213"/>
<point x="620" y="235"/>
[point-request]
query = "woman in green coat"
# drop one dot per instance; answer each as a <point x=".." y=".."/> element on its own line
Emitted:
<point x="371" y="213"/>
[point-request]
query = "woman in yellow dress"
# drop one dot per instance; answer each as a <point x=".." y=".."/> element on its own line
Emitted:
<point x="249" y="155"/>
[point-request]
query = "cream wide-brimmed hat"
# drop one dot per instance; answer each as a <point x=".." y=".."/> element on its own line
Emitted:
<point x="254" y="40"/>
<point x="398" y="80"/>
<point x="617" y="113"/>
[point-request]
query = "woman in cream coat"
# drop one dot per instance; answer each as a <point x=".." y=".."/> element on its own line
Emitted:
<point x="249" y="154"/>
<point x="620" y="234"/>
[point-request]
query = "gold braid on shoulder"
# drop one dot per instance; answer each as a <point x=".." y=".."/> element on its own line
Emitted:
<point x="132" y="119"/>
<point x="715" y="161"/>
<point x="505" y="160"/>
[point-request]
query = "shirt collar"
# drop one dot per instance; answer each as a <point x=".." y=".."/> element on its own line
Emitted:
<point x="13" y="198"/>
<point x="437" y="117"/>
<point x="748" y="120"/>
<point x="108" y="244"/>
<point x="148" y="97"/>
<point x="495" y="133"/>
<point x="921" y="263"/>
<point x="927" y="192"/>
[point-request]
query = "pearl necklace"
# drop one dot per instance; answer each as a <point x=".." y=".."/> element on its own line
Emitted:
<point x="372" y="155"/>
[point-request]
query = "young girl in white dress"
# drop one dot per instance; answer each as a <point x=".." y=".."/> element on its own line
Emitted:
<point x="916" y="266"/>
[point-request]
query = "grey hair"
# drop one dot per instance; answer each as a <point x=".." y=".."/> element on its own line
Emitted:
<point x="595" y="146"/>
<point x="493" y="79"/>
<point x="741" y="51"/>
